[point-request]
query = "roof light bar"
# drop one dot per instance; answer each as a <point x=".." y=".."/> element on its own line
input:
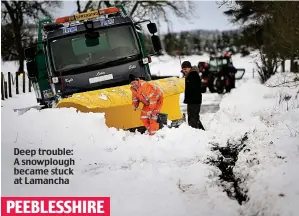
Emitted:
<point x="87" y="15"/>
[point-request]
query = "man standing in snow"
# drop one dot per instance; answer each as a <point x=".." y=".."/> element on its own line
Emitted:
<point x="193" y="96"/>
<point x="151" y="97"/>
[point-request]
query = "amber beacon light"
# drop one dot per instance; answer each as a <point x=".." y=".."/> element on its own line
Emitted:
<point x="87" y="15"/>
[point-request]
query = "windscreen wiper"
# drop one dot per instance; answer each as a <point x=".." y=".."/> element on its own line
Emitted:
<point x="105" y="63"/>
<point x="119" y="59"/>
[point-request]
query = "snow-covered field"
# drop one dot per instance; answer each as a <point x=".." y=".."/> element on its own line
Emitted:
<point x="177" y="171"/>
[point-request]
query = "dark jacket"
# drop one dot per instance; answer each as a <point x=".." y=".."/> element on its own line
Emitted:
<point x="193" y="87"/>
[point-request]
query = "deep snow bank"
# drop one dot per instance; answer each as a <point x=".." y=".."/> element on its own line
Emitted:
<point x="159" y="175"/>
<point x="267" y="167"/>
<point x="273" y="162"/>
<point x="170" y="173"/>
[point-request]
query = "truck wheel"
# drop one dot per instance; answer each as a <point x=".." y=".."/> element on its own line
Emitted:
<point x="219" y="85"/>
<point x="230" y="86"/>
<point x="211" y="89"/>
<point x="234" y="84"/>
<point x="211" y="85"/>
<point x="220" y="90"/>
<point x="228" y="89"/>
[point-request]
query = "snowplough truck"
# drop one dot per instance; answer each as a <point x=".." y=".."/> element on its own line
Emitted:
<point x="84" y="61"/>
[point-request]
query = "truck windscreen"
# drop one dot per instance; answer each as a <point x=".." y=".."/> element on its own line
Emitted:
<point x="115" y="43"/>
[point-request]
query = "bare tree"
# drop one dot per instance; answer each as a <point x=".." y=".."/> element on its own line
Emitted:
<point x="140" y="9"/>
<point x="19" y="13"/>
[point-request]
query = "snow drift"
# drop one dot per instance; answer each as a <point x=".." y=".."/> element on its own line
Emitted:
<point x="177" y="171"/>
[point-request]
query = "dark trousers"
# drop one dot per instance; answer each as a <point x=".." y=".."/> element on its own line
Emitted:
<point x="193" y="116"/>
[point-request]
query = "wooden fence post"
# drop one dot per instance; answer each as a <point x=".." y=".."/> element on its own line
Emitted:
<point x="2" y="86"/>
<point x="5" y="89"/>
<point x="24" y="78"/>
<point x="17" y="82"/>
<point x="9" y="84"/>
<point x="29" y="85"/>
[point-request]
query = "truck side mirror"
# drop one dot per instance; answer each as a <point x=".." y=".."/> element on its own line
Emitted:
<point x="138" y="27"/>
<point x="152" y="28"/>
<point x="29" y="53"/>
<point x="32" y="69"/>
<point x="156" y="43"/>
<point x="31" y="64"/>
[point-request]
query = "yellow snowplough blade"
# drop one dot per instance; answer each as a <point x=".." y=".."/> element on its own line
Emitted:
<point x="116" y="103"/>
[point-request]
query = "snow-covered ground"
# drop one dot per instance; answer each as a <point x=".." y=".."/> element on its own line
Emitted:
<point x="177" y="171"/>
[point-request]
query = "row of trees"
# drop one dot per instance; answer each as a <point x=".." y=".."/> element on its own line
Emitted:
<point x="272" y="27"/>
<point x="197" y="42"/>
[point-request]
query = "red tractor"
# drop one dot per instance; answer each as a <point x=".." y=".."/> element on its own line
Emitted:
<point x="219" y="74"/>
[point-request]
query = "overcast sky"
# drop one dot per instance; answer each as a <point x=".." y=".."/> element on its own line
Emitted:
<point x="207" y="15"/>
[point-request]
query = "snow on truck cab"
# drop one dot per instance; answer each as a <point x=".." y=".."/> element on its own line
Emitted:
<point x="85" y="60"/>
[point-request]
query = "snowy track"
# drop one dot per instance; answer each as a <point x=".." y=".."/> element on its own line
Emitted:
<point x="209" y="108"/>
<point x="205" y="108"/>
<point x="210" y="103"/>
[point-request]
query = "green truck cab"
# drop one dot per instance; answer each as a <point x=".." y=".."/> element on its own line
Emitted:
<point x="88" y="51"/>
